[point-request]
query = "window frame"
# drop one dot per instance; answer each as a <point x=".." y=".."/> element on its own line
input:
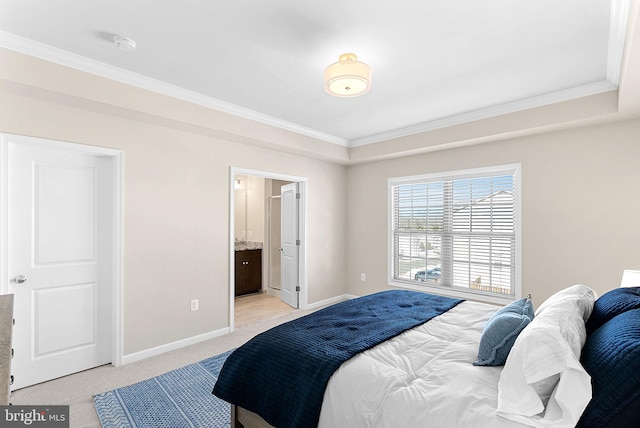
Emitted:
<point x="479" y="295"/>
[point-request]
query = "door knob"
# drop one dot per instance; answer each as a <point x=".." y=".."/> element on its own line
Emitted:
<point x="20" y="279"/>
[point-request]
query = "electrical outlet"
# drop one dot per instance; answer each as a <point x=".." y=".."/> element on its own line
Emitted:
<point x="363" y="277"/>
<point x="195" y="305"/>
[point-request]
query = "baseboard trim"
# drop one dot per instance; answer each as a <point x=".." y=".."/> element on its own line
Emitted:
<point x="330" y="301"/>
<point x="272" y="292"/>
<point x="152" y="352"/>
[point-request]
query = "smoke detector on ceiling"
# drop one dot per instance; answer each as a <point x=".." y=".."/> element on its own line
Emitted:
<point x="124" y="43"/>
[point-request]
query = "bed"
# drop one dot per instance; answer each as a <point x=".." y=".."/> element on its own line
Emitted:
<point x="574" y="361"/>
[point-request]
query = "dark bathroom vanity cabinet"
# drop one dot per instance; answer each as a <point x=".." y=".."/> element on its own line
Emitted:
<point x="248" y="271"/>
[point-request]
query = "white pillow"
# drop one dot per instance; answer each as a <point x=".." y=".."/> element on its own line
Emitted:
<point x="577" y="295"/>
<point x="569" y="310"/>
<point x="543" y="383"/>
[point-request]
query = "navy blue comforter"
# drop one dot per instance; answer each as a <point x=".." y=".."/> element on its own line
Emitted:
<point x="282" y="373"/>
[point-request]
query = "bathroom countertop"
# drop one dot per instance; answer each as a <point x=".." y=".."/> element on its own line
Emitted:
<point x="248" y="245"/>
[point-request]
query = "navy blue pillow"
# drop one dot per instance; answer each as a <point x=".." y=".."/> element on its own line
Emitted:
<point x="611" y="304"/>
<point x="501" y="332"/>
<point x="611" y="356"/>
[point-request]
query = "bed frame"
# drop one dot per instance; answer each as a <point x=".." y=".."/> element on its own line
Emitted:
<point x="243" y="418"/>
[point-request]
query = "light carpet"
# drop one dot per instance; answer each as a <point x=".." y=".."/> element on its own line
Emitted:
<point x="179" y="398"/>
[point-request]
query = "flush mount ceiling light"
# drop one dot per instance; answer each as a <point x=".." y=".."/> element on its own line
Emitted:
<point x="124" y="43"/>
<point x="348" y="77"/>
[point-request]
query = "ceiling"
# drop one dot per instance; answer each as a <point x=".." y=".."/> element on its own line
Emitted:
<point x="434" y="62"/>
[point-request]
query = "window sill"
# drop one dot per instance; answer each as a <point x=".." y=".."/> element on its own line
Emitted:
<point x="457" y="293"/>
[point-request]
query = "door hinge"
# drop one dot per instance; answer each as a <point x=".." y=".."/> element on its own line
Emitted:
<point x="297" y="242"/>
<point x="297" y="195"/>
<point x="298" y="288"/>
<point x="11" y="381"/>
<point x="11" y="352"/>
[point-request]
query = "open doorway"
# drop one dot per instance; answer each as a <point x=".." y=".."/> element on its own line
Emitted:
<point x="266" y="269"/>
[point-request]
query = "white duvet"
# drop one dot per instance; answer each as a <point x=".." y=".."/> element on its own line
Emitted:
<point x="421" y="378"/>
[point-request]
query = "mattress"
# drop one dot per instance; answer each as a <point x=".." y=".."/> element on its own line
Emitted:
<point x="423" y="377"/>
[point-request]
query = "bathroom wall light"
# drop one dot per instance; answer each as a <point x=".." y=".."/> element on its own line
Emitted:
<point x="348" y="77"/>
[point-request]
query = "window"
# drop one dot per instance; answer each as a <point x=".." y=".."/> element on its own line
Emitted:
<point x="457" y="233"/>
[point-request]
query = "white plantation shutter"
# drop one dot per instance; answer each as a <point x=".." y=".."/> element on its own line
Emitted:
<point x="456" y="231"/>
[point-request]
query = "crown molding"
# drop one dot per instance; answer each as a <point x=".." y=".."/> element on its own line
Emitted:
<point x="485" y="113"/>
<point x="59" y="56"/>
<point x="617" y="36"/>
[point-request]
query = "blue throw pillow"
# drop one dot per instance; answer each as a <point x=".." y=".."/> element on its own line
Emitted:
<point x="501" y="332"/>
<point x="611" y="356"/>
<point x="611" y="304"/>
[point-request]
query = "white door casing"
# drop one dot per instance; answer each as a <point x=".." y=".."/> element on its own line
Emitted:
<point x="302" y="218"/>
<point x="60" y="217"/>
<point x="290" y="243"/>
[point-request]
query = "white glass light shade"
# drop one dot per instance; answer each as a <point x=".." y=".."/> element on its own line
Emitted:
<point x="348" y="77"/>
<point x="630" y="278"/>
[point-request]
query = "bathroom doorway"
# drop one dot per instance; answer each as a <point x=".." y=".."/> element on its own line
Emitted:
<point x="273" y="233"/>
<point x="256" y="231"/>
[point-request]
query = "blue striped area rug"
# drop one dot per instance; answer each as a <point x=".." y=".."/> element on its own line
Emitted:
<point x="179" y="398"/>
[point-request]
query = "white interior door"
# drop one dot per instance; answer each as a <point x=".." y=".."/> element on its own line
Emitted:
<point x="59" y="262"/>
<point x="290" y="244"/>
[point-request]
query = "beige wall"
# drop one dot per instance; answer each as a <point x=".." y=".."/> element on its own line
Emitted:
<point x="580" y="206"/>
<point x="176" y="215"/>
<point x="579" y="187"/>
<point x="255" y="209"/>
